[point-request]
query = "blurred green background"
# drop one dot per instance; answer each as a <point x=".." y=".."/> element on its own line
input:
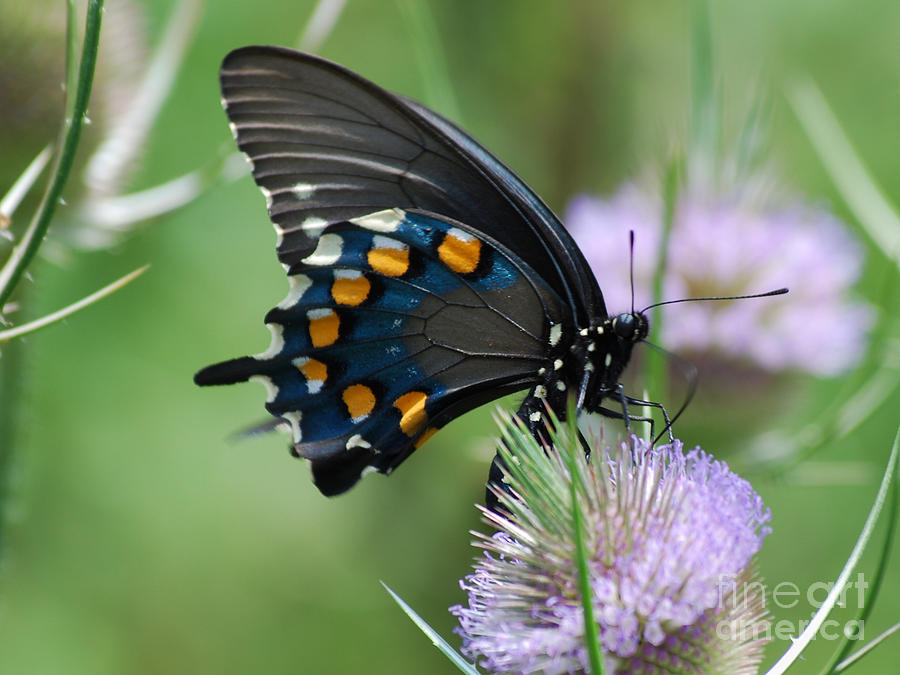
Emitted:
<point x="142" y="540"/>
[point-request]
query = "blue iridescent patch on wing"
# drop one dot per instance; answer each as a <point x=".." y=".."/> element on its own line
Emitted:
<point x="374" y="346"/>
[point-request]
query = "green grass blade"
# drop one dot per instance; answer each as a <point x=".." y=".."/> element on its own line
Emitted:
<point x="657" y="380"/>
<point x="320" y="24"/>
<point x="704" y="114"/>
<point x="24" y="252"/>
<point x="430" y="57"/>
<point x="871" y="208"/>
<point x="591" y="632"/>
<point x="802" y="641"/>
<point x="439" y="642"/>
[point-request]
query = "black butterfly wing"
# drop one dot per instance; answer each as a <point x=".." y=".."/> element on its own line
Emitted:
<point x="327" y="145"/>
<point x="396" y="323"/>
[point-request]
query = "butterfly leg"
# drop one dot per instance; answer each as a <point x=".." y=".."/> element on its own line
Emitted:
<point x="662" y="410"/>
<point x="615" y="414"/>
<point x="532" y="412"/>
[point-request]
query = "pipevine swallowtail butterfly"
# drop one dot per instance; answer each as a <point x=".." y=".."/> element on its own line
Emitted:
<point x="426" y="278"/>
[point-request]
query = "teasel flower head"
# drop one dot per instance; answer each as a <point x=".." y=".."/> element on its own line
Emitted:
<point x="732" y="238"/>
<point x="670" y="538"/>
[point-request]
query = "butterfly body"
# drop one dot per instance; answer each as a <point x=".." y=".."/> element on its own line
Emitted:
<point x="425" y="277"/>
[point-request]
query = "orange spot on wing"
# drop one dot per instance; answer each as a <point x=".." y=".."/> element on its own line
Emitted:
<point x="353" y="292"/>
<point x="314" y="370"/>
<point x="392" y="262"/>
<point x="324" y="328"/>
<point x="428" y="433"/>
<point x="460" y="255"/>
<point x="412" y="411"/>
<point x="359" y="399"/>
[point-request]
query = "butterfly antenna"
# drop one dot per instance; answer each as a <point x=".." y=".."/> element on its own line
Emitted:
<point x="689" y="370"/>
<point x="631" y="265"/>
<point x="779" y="291"/>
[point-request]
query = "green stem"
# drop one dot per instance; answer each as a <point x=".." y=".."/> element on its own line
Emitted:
<point x="657" y="380"/>
<point x="591" y="633"/>
<point x="869" y="601"/>
<point x="24" y="252"/>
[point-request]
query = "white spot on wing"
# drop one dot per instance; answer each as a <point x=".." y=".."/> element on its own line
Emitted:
<point x="319" y="313"/>
<point x="279" y="235"/>
<point x="386" y="242"/>
<point x="535" y="417"/>
<point x="303" y="190"/>
<point x="381" y="221"/>
<point x="607" y="360"/>
<point x="557" y="364"/>
<point x="312" y="386"/>
<point x="298" y="285"/>
<point x="327" y="252"/>
<point x="347" y="274"/>
<point x="271" y="389"/>
<point x="540" y="391"/>
<point x="560" y="385"/>
<point x="268" y="195"/>
<point x="277" y="344"/>
<point x="462" y="235"/>
<point x="357" y="441"/>
<point x="555" y="334"/>
<point x="313" y="226"/>
<point x="294" y="417"/>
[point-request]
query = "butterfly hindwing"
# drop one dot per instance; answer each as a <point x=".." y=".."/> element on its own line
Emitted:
<point x="396" y="322"/>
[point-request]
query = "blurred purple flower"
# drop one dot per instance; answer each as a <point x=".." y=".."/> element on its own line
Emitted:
<point x="670" y="535"/>
<point x="733" y="246"/>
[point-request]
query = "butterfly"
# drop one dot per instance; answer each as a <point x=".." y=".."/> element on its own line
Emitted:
<point x="426" y="278"/>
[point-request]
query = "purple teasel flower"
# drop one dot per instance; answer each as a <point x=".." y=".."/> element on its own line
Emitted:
<point x="733" y="245"/>
<point x="670" y="536"/>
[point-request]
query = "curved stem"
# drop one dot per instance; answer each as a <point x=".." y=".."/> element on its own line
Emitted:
<point x="24" y="252"/>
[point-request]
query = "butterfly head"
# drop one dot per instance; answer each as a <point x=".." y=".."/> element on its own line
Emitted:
<point x="601" y="354"/>
<point x="630" y="327"/>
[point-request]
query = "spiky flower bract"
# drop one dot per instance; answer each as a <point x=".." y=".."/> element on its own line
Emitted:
<point x="670" y="538"/>
<point x="727" y="241"/>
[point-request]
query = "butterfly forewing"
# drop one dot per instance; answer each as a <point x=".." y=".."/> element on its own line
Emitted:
<point x="327" y="145"/>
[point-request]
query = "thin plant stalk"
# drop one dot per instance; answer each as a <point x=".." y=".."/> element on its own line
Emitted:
<point x="800" y="643"/>
<point x="846" y="645"/>
<point x="59" y="315"/>
<point x="866" y="649"/>
<point x="24" y="252"/>
<point x="591" y="632"/>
